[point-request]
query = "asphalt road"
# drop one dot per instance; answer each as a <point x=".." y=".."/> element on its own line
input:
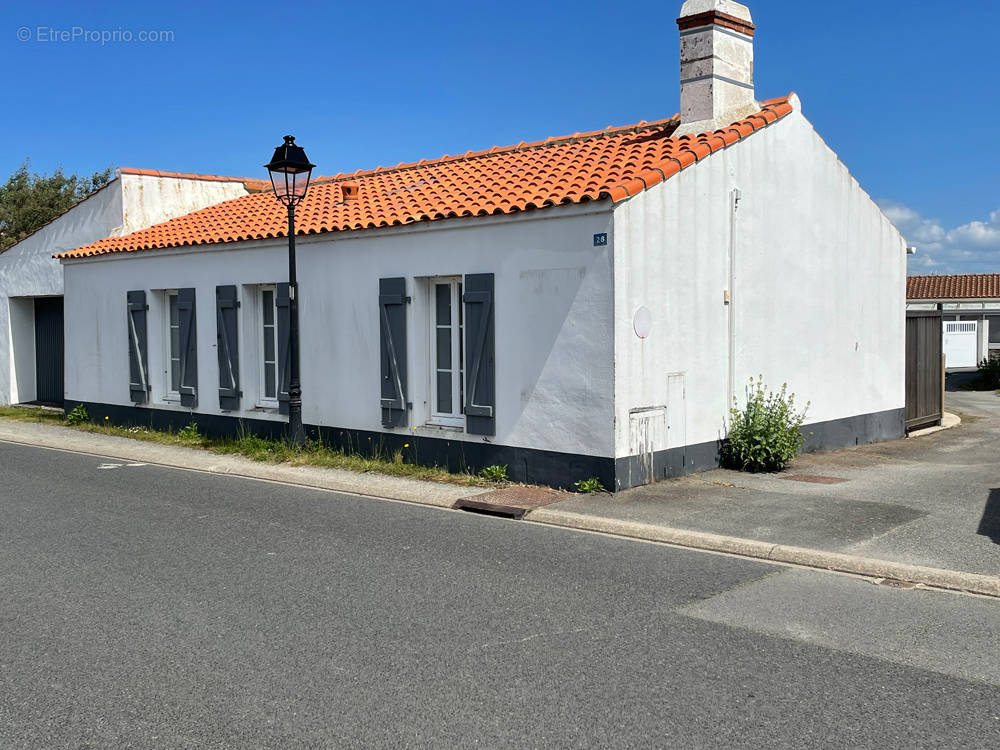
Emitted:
<point x="151" y="607"/>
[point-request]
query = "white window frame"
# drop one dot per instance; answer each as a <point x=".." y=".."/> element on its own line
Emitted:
<point x="169" y="395"/>
<point x="263" y="401"/>
<point x="455" y="419"/>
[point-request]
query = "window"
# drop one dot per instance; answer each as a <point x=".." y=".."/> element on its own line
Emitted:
<point x="269" y="347"/>
<point x="993" y="321"/>
<point x="447" y="355"/>
<point x="173" y="353"/>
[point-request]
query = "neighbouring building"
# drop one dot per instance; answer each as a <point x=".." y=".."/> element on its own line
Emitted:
<point x="31" y="280"/>
<point x="587" y="305"/>
<point x="970" y="305"/>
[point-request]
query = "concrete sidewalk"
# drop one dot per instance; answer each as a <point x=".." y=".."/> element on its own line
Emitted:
<point x="337" y="480"/>
<point x="931" y="502"/>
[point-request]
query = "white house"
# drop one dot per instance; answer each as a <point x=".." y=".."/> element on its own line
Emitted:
<point x="970" y="304"/>
<point x="582" y="306"/>
<point x="31" y="280"/>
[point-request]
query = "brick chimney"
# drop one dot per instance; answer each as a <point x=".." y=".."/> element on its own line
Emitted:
<point x="716" y="65"/>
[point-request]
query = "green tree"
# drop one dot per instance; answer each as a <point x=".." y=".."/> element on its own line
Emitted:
<point x="27" y="201"/>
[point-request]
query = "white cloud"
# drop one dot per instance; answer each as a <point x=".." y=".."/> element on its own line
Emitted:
<point x="970" y="248"/>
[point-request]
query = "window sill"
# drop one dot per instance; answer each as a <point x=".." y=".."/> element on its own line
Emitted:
<point x="431" y="428"/>
<point x="171" y="404"/>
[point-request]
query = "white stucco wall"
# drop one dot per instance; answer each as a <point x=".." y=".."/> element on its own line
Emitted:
<point x="151" y="199"/>
<point x="128" y="203"/>
<point x="554" y="350"/>
<point x="28" y="270"/>
<point x="818" y="297"/>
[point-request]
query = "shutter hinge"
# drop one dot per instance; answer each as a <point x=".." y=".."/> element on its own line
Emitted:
<point x="238" y="304"/>
<point x="408" y="300"/>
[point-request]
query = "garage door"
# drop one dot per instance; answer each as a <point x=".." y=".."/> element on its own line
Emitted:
<point x="961" y="343"/>
<point x="49" y="349"/>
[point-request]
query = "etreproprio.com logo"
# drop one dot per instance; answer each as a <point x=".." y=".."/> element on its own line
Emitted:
<point x="83" y="35"/>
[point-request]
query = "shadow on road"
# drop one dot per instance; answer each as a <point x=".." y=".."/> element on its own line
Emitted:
<point x="989" y="526"/>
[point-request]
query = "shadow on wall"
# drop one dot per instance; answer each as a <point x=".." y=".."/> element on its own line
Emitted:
<point x="989" y="526"/>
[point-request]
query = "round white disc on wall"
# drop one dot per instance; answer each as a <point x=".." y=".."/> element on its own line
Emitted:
<point x="642" y="322"/>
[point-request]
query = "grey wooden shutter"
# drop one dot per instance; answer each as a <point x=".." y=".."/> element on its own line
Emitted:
<point x="392" y="344"/>
<point x="480" y="345"/>
<point x="189" y="348"/>
<point x="283" y="303"/>
<point x="227" y="331"/>
<point x="138" y="377"/>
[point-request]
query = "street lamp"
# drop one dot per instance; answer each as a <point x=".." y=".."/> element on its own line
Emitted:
<point x="290" y="171"/>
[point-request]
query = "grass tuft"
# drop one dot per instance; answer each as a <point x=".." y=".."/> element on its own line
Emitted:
<point x="258" y="448"/>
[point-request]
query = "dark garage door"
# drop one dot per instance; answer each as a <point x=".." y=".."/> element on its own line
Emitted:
<point x="49" y="349"/>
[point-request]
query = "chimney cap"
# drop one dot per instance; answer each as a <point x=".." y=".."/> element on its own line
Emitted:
<point x="728" y="7"/>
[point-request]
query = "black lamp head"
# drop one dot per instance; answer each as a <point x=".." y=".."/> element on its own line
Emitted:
<point x="290" y="171"/>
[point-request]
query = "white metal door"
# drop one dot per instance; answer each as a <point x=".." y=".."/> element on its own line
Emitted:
<point x="961" y="343"/>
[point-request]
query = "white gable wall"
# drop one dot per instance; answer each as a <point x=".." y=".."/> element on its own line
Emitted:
<point x="28" y="270"/>
<point x="150" y="199"/>
<point x="553" y="319"/>
<point x="818" y="298"/>
<point x="128" y="203"/>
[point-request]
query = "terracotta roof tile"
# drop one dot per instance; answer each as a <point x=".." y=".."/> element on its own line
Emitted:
<point x="614" y="163"/>
<point x="962" y="286"/>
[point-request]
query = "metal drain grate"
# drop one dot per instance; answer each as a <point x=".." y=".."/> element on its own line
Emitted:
<point x="490" y="509"/>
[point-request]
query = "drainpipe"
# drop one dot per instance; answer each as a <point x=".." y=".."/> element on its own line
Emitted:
<point x="734" y="206"/>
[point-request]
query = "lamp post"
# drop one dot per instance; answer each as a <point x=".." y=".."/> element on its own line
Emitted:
<point x="290" y="171"/>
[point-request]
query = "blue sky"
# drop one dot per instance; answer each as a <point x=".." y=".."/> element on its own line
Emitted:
<point x="903" y="96"/>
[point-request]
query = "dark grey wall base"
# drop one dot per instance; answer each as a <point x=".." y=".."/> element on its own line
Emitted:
<point x="635" y="471"/>
<point x="876" y="427"/>
<point x="527" y="465"/>
<point x="531" y="466"/>
<point x="172" y="419"/>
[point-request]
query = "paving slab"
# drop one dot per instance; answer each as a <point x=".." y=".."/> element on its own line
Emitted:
<point x="931" y="501"/>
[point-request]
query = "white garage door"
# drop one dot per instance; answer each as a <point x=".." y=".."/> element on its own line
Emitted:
<point x="961" y="341"/>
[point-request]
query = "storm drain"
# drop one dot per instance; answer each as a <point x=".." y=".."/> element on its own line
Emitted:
<point x="510" y="502"/>
<point x="472" y="505"/>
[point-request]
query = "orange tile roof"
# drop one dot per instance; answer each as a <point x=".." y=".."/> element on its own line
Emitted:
<point x="961" y="286"/>
<point x="613" y="163"/>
